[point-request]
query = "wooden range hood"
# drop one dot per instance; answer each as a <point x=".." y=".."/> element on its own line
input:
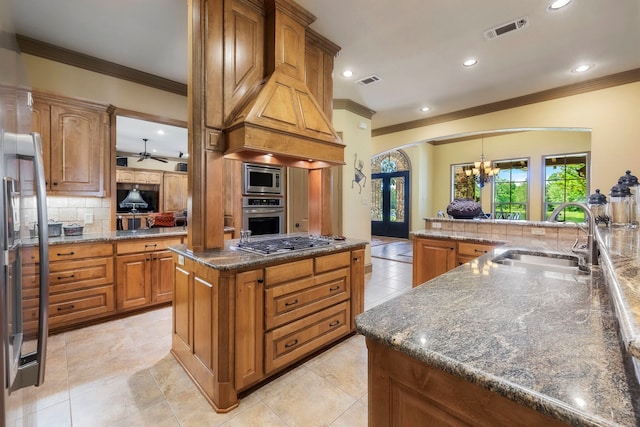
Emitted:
<point x="282" y="118"/>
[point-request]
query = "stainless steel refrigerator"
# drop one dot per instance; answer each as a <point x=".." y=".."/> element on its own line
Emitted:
<point x="22" y="204"/>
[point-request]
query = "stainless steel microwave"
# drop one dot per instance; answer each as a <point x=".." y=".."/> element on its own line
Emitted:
<point x="262" y="179"/>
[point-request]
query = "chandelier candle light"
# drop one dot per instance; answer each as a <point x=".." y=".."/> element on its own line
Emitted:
<point x="483" y="170"/>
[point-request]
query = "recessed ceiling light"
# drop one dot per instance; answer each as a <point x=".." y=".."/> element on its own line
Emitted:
<point x="347" y="73"/>
<point x="470" y="62"/>
<point x="154" y="151"/>
<point x="557" y="4"/>
<point x="160" y="132"/>
<point x="425" y="109"/>
<point x="582" y="68"/>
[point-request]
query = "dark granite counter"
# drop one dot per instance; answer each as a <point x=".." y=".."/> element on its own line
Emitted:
<point x="546" y="340"/>
<point x="231" y="258"/>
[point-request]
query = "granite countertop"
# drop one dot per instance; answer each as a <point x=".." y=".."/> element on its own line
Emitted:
<point x="143" y="233"/>
<point x="231" y="258"/>
<point x="546" y="340"/>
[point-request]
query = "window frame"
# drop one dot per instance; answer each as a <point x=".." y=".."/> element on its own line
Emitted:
<point x="497" y="163"/>
<point x="543" y="177"/>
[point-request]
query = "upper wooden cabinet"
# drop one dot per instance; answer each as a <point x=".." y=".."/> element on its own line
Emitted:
<point x="75" y="144"/>
<point x="174" y="192"/>
<point x="138" y="176"/>
<point x="318" y="73"/>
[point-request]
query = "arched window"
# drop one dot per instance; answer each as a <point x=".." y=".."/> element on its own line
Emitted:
<point x="393" y="161"/>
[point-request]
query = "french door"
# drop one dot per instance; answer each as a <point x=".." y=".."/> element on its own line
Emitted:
<point x="390" y="204"/>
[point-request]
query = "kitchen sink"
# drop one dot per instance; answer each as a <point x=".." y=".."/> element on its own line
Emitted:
<point x="559" y="263"/>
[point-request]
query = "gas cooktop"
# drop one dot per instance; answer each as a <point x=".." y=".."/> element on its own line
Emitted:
<point x="281" y="245"/>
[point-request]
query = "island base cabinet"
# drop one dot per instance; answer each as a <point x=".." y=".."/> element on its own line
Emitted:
<point x="404" y="392"/>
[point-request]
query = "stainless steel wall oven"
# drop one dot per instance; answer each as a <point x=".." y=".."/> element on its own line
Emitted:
<point x="263" y="215"/>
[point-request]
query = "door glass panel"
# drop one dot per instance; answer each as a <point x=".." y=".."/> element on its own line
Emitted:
<point x="376" y="199"/>
<point x="397" y="213"/>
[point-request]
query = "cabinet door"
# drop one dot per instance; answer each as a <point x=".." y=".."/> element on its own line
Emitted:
<point x="133" y="281"/>
<point x="41" y="119"/>
<point x="76" y="150"/>
<point x="431" y="258"/>
<point x="123" y="175"/>
<point x="174" y="192"/>
<point x="181" y="310"/>
<point x="249" y="331"/>
<point x="162" y="276"/>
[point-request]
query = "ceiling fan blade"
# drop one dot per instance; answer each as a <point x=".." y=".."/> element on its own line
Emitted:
<point x="141" y="159"/>
<point x="160" y="159"/>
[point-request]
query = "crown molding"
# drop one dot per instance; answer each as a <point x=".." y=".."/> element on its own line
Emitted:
<point x="605" y="82"/>
<point x="91" y="63"/>
<point x="353" y="107"/>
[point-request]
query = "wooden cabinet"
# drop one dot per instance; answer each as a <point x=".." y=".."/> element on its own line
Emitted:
<point x="144" y="270"/>
<point x="174" y="192"/>
<point x="408" y="393"/>
<point x="75" y="139"/>
<point x="469" y="251"/>
<point x="81" y="285"/>
<point x="233" y="329"/>
<point x="138" y="176"/>
<point x="306" y="306"/>
<point x="432" y="257"/>
<point x="249" y="352"/>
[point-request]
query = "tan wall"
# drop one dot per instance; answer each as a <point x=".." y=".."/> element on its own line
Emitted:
<point x="356" y="211"/>
<point x="531" y="145"/>
<point x="63" y="79"/>
<point x="611" y="113"/>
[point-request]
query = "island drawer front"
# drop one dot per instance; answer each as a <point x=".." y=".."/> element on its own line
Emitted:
<point x="288" y="271"/>
<point x="72" y="275"/>
<point x="297" y="339"/>
<point x="146" y="245"/>
<point x="473" y="249"/>
<point x="77" y="251"/>
<point x="296" y="299"/>
<point x="333" y="261"/>
<point x="69" y="307"/>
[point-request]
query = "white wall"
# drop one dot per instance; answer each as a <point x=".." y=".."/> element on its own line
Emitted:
<point x="356" y="204"/>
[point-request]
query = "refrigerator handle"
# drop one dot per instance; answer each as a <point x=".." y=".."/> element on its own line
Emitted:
<point x="43" y="251"/>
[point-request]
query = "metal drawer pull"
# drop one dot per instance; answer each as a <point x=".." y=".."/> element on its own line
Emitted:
<point x="480" y="251"/>
<point x="335" y="323"/>
<point x="153" y="245"/>
<point x="291" y="344"/>
<point x="288" y="304"/>
<point x="334" y="289"/>
<point x="68" y="253"/>
<point x="65" y="277"/>
<point x="69" y="307"/>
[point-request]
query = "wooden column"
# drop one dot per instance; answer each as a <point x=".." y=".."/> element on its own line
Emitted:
<point x="320" y="202"/>
<point x="205" y="228"/>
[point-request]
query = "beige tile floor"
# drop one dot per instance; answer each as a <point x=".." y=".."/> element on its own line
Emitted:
<point x="121" y="373"/>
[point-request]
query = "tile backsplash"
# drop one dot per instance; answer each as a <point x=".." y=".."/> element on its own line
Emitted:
<point x="74" y="210"/>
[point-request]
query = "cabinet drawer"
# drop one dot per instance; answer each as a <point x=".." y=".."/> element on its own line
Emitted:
<point x="72" y="275"/>
<point x="69" y="307"/>
<point x="473" y="249"/>
<point x="333" y="261"/>
<point x="29" y="255"/>
<point x="145" y="245"/>
<point x="76" y="251"/>
<point x="289" y="271"/>
<point x="295" y="340"/>
<point x="293" y="300"/>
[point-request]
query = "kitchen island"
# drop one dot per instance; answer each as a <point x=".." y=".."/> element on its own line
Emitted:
<point x="239" y="318"/>
<point x="492" y="344"/>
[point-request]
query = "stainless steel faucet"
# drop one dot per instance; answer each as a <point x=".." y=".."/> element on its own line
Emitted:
<point x="592" y="248"/>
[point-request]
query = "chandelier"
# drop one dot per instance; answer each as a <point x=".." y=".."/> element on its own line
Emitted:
<point x="483" y="170"/>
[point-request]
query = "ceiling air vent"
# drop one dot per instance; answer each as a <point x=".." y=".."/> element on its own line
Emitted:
<point x="369" y="80"/>
<point x="518" y="24"/>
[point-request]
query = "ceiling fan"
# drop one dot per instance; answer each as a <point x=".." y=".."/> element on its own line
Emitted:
<point x="146" y="155"/>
